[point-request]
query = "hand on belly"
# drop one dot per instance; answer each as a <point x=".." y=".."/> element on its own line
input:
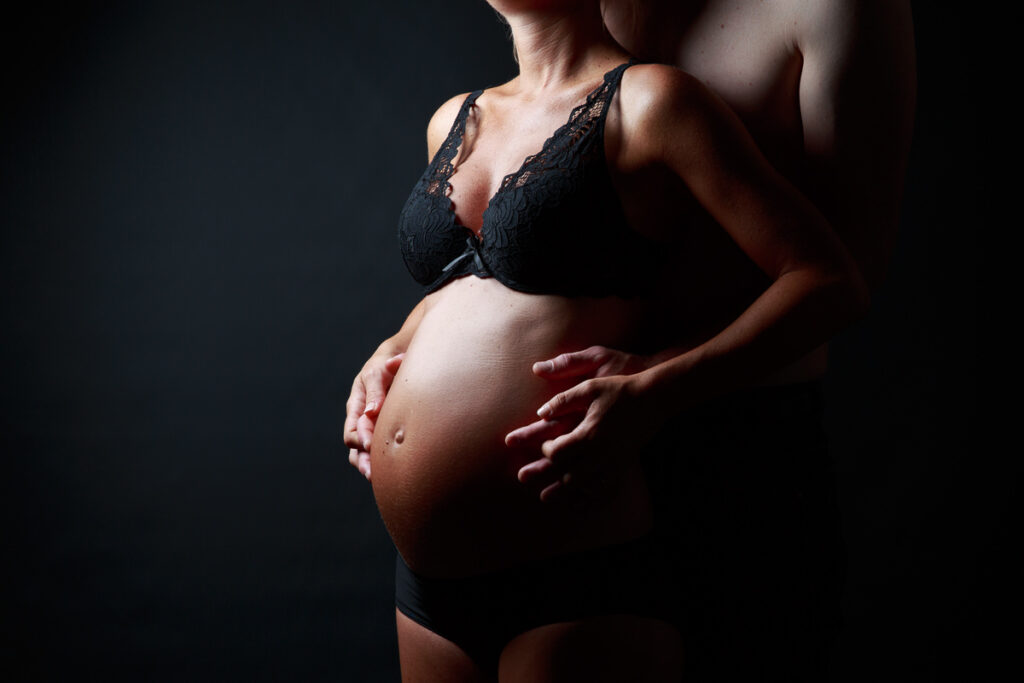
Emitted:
<point x="586" y="430"/>
<point x="446" y="481"/>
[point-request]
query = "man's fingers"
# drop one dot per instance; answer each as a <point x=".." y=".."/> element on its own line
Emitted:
<point x="572" y="364"/>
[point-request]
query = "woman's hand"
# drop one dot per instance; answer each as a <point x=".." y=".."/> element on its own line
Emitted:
<point x="595" y="361"/>
<point x="363" y="406"/>
<point x="586" y="426"/>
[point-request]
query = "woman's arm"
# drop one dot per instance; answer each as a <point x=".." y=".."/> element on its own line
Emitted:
<point x="374" y="379"/>
<point x="670" y="120"/>
<point x="371" y="386"/>
<point x="817" y="287"/>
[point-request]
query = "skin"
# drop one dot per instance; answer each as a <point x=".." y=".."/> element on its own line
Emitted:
<point x="668" y="128"/>
<point x="827" y="91"/>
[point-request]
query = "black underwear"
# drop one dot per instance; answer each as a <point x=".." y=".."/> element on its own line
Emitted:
<point x="746" y="561"/>
<point x="481" y="614"/>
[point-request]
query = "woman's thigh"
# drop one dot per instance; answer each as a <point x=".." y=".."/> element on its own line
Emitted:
<point x="597" y="649"/>
<point x="426" y="656"/>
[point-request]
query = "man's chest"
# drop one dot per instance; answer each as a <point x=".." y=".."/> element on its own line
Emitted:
<point x="746" y="53"/>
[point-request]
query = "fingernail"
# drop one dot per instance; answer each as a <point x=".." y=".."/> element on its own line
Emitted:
<point x="372" y="405"/>
<point x="543" y="366"/>
<point x="544" y="410"/>
<point x="366" y="445"/>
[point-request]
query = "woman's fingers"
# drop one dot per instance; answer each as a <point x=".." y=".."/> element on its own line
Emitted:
<point x="364" y="464"/>
<point x="360" y="460"/>
<point x="573" y="400"/>
<point x="579" y="485"/>
<point x="547" y="478"/>
<point x="537" y="432"/>
<point x="551" y="491"/>
<point x="391" y="364"/>
<point x="535" y="470"/>
<point x="554" y="482"/>
<point x="353" y="409"/>
<point x="363" y="406"/>
<point x="364" y="428"/>
<point x="572" y="364"/>
<point x="562" y="448"/>
<point x="377" y="381"/>
<point x="368" y="392"/>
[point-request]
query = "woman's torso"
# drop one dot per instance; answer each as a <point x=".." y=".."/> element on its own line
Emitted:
<point x="520" y="266"/>
<point x="444" y="480"/>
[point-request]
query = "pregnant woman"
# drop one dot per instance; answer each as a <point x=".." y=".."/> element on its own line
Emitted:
<point x="545" y="223"/>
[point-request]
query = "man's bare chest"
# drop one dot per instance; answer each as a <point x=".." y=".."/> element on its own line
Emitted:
<point x="749" y="58"/>
<point x="743" y="50"/>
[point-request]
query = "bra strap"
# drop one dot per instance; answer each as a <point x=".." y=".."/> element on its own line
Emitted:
<point x="612" y="81"/>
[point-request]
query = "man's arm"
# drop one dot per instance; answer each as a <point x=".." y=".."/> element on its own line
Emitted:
<point x="857" y="97"/>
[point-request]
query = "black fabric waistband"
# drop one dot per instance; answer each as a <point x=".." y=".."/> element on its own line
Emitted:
<point x="483" y="613"/>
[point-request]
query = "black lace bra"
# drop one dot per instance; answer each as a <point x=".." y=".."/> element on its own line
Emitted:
<point x="555" y="226"/>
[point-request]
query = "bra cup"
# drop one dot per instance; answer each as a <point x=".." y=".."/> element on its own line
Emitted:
<point x="426" y="238"/>
<point x="556" y="242"/>
<point x="555" y="226"/>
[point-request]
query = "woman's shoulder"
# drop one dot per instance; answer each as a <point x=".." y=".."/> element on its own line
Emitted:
<point x="659" y="89"/>
<point x="664" y="106"/>
<point x="441" y="122"/>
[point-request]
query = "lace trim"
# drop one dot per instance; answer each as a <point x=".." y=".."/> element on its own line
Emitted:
<point x="583" y="119"/>
<point x="513" y="243"/>
<point x="442" y="166"/>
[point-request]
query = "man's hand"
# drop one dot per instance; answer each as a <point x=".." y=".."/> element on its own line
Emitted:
<point x="363" y="406"/>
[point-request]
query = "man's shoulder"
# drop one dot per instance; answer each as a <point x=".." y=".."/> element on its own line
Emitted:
<point x="807" y="19"/>
<point x="840" y="23"/>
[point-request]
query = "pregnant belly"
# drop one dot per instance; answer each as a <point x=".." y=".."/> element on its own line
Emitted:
<point x="444" y="480"/>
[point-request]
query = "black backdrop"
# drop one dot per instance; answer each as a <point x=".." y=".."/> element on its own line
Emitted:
<point x="198" y="203"/>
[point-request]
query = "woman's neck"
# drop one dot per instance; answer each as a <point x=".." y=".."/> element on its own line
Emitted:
<point x="557" y="47"/>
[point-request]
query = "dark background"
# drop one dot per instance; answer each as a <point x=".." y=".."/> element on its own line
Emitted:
<point x="198" y="204"/>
